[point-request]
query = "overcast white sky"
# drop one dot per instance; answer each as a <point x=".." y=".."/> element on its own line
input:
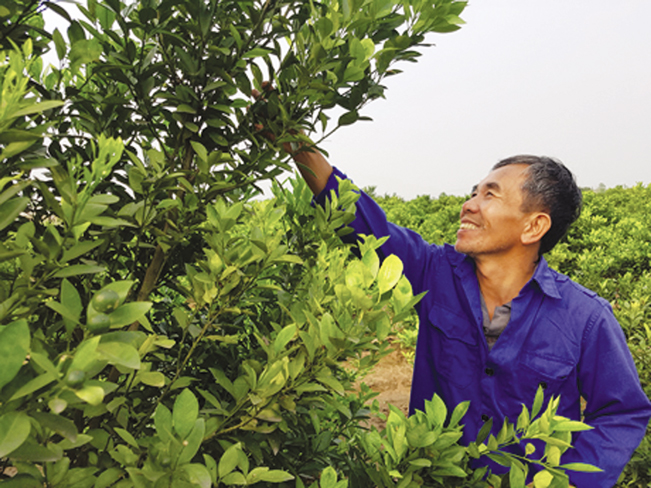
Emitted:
<point x="563" y="78"/>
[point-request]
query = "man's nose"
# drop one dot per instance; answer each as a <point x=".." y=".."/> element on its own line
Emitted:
<point x="469" y="206"/>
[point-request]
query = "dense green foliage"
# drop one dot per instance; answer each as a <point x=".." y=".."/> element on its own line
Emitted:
<point x="159" y="327"/>
<point x="608" y="250"/>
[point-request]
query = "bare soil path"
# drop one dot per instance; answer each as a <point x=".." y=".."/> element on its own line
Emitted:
<point x="391" y="378"/>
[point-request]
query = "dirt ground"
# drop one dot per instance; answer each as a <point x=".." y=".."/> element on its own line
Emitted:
<point x="391" y="378"/>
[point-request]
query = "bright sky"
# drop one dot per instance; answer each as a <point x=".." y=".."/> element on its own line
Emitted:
<point x="569" y="79"/>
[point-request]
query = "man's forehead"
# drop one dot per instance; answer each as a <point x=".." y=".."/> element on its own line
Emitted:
<point x="501" y="178"/>
<point x="489" y="185"/>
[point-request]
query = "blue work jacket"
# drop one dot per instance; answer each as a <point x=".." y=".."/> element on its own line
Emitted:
<point x="560" y="335"/>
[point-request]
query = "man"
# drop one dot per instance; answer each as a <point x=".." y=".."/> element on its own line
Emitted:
<point x="497" y="323"/>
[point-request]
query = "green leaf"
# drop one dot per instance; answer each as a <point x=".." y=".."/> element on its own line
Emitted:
<point x="185" y="413"/>
<point x="39" y="107"/>
<point x="542" y="479"/>
<point x="152" y="378"/>
<point x="516" y="477"/>
<point x="59" y="44"/>
<point x="10" y="209"/>
<point x="538" y="401"/>
<point x="458" y="413"/>
<point x="15" y="148"/>
<point x="451" y="470"/>
<point x="229" y="460"/>
<point x="127" y="437"/>
<point x="436" y="410"/>
<point x="163" y="423"/>
<point x="31" y="451"/>
<point x="83" y="52"/>
<point x="14" y="430"/>
<point x="484" y="431"/>
<point x="61" y="425"/>
<point x="390" y="273"/>
<point x="582" y="467"/>
<point x="78" y="269"/>
<point x="349" y="118"/>
<point x="85" y="355"/>
<point x="63" y="311"/>
<point x="119" y="353"/>
<point x="284" y="336"/>
<point x="14" y="346"/>
<point x="256" y="52"/>
<point x="192" y="442"/>
<point x="235" y="478"/>
<point x="106" y="221"/>
<point x="200" y="150"/>
<point x="421" y="463"/>
<point x="108" y="478"/>
<point x="33" y="385"/>
<point x="198" y="474"/>
<point x="276" y="476"/>
<point x="94" y="395"/>
<point x="571" y="426"/>
<point x="523" y="419"/>
<point x="328" y="477"/>
<point x="372" y="262"/>
<point x="71" y="300"/>
<point x="129" y="313"/>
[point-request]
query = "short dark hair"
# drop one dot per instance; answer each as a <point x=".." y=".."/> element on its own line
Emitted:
<point x="552" y="188"/>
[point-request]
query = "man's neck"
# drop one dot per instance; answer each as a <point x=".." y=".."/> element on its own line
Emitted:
<point x="500" y="280"/>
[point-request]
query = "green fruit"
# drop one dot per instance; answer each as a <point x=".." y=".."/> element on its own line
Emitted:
<point x="106" y="301"/>
<point x="75" y="378"/>
<point x="99" y="323"/>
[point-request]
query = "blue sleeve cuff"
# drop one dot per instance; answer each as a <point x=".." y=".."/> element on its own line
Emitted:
<point x="331" y="185"/>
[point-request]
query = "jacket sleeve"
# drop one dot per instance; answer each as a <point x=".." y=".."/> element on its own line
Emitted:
<point x="370" y="219"/>
<point x="616" y="406"/>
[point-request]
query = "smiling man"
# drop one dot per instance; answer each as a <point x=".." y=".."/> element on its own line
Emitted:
<point x="497" y="322"/>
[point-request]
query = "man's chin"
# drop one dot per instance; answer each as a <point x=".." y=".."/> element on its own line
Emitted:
<point x="463" y="249"/>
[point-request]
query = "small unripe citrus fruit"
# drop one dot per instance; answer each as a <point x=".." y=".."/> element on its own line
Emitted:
<point x="75" y="378"/>
<point x="106" y="301"/>
<point x="99" y="323"/>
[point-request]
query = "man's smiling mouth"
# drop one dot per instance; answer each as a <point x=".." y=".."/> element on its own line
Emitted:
<point x="468" y="226"/>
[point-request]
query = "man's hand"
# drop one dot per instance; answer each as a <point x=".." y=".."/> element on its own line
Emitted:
<point x="311" y="163"/>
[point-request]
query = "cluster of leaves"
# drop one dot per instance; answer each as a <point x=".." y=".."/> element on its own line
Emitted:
<point x="423" y="449"/>
<point x="608" y="250"/>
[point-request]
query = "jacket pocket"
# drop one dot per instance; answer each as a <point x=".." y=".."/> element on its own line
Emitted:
<point x="548" y="372"/>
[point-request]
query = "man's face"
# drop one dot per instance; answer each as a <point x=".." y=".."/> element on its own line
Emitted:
<point x="492" y="220"/>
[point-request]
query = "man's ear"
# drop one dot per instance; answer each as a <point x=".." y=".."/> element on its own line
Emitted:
<point x="537" y="226"/>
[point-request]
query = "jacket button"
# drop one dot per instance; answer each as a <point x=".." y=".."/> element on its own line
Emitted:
<point x="489" y="371"/>
<point x="484" y="417"/>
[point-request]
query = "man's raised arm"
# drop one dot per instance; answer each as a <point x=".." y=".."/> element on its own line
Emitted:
<point x="314" y="168"/>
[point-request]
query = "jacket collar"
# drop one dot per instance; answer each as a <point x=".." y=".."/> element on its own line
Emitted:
<point x="544" y="276"/>
<point x="546" y="279"/>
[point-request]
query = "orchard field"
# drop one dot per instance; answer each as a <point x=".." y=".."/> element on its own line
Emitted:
<point x="162" y="328"/>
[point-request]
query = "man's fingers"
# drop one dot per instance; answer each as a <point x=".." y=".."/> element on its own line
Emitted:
<point x="267" y="88"/>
